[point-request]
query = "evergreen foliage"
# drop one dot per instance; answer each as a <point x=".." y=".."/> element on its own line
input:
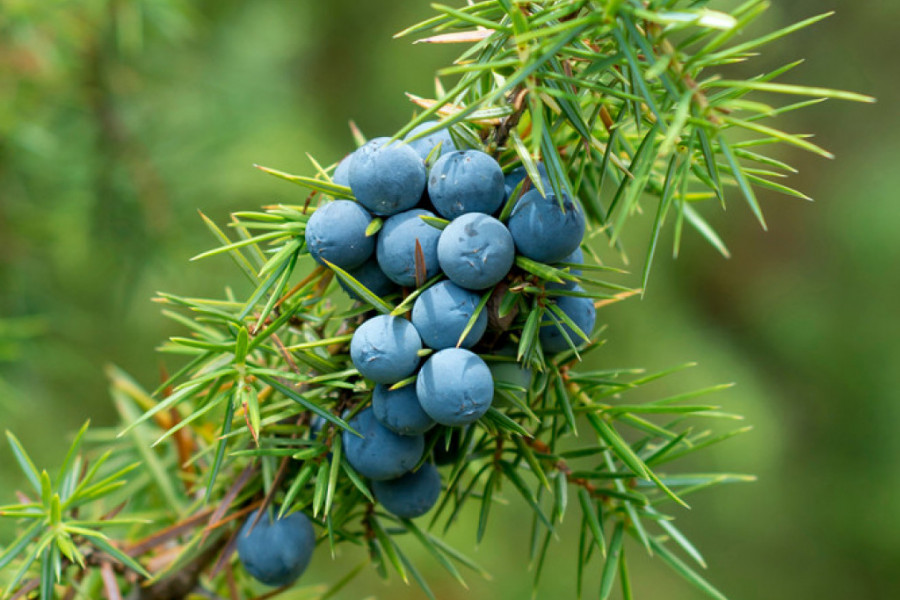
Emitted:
<point x="625" y="105"/>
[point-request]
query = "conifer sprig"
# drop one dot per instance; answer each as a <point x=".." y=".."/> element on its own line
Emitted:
<point x="626" y="105"/>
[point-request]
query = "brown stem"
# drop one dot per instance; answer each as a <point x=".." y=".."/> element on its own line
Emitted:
<point x="501" y="133"/>
<point x="179" y="585"/>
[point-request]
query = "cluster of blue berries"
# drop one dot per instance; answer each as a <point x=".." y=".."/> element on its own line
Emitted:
<point x="454" y="387"/>
<point x="437" y="221"/>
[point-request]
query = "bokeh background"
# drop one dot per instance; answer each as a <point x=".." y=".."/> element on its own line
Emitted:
<point x="119" y="119"/>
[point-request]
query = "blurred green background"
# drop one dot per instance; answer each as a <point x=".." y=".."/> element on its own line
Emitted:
<point x="120" y="119"/>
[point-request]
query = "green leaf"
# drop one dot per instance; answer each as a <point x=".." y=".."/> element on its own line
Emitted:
<point x="220" y="450"/>
<point x="474" y="318"/>
<point x="317" y="185"/>
<point x="637" y="76"/>
<point x="300" y="399"/>
<point x="505" y="423"/>
<point x="46" y="489"/>
<point x="417" y="576"/>
<point x="241" y="344"/>
<point x="742" y="181"/>
<point x="661" y="212"/>
<point x="236" y="255"/>
<point x="278" y="276"/>
<point x="710" y="161"/>
<point x="793" y="140"/>
<point x="618" y="445"/>
<point x="25" y="463"/>
<point x="624" y="579"/>
<point x="374" y="226"/>
<point x="703" y="17"/>
<point x="561" y="316"/>
<point x="26" y="563"/>
<point x="357" y="481"/>
<point x="704" y="229"/>
<point x="531" y="170"/>
<point x="71" y="455"/>
<point x="299" y="482"/>
<point x="240" y="244"/>
<point x="334" y="472"/>
<point x="321" y="489"/>
<point x="436" y="222"/>
<point x="545" y="272"/>
<point x="17" y="546"/>
<point x="102" y="542"/>
<point x="532" y="461"/>
<point x="510" y="471"/>
<point x="427" y="542"/>
<point x="486" y="499"/>
<point x="529" y="331"/>
<point x="608" y="575"/>
<point x="685" y="571"/>
<point x="682" y="541"/>
<point x="360" y="290"/>
<point x="174" y="399"/>
<point x="757" y="42"/>
<point x="562" y="398"/>
<point x="591" y="518"/>
<point x="391" y="549"/>
<point x="800" y="90"/>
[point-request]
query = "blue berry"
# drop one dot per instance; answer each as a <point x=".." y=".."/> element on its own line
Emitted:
<point x="336" y="232"/>
<point x="387" y="179"/>
<point x="385" y="349"/>
<point x="464" y="182"/>
<point x="542" y="231"/>
<point x="380" y="453"/>
<point x="455" y="387"/>
<point x="424" y="145"/>
<point x="514" y="177"/>
<point x="442" y="312"/>
<point x="341" y="175"/>
<point x="399" y="410"/>
<point x="396" y="249"/>
<point x="576" y="257"/>
<point x="276" y="552"/>
<point x="583" y="314"/>
<point x="412" y="495"/>
<point x="476" y="251"/>
<point x="512" y="373"/>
